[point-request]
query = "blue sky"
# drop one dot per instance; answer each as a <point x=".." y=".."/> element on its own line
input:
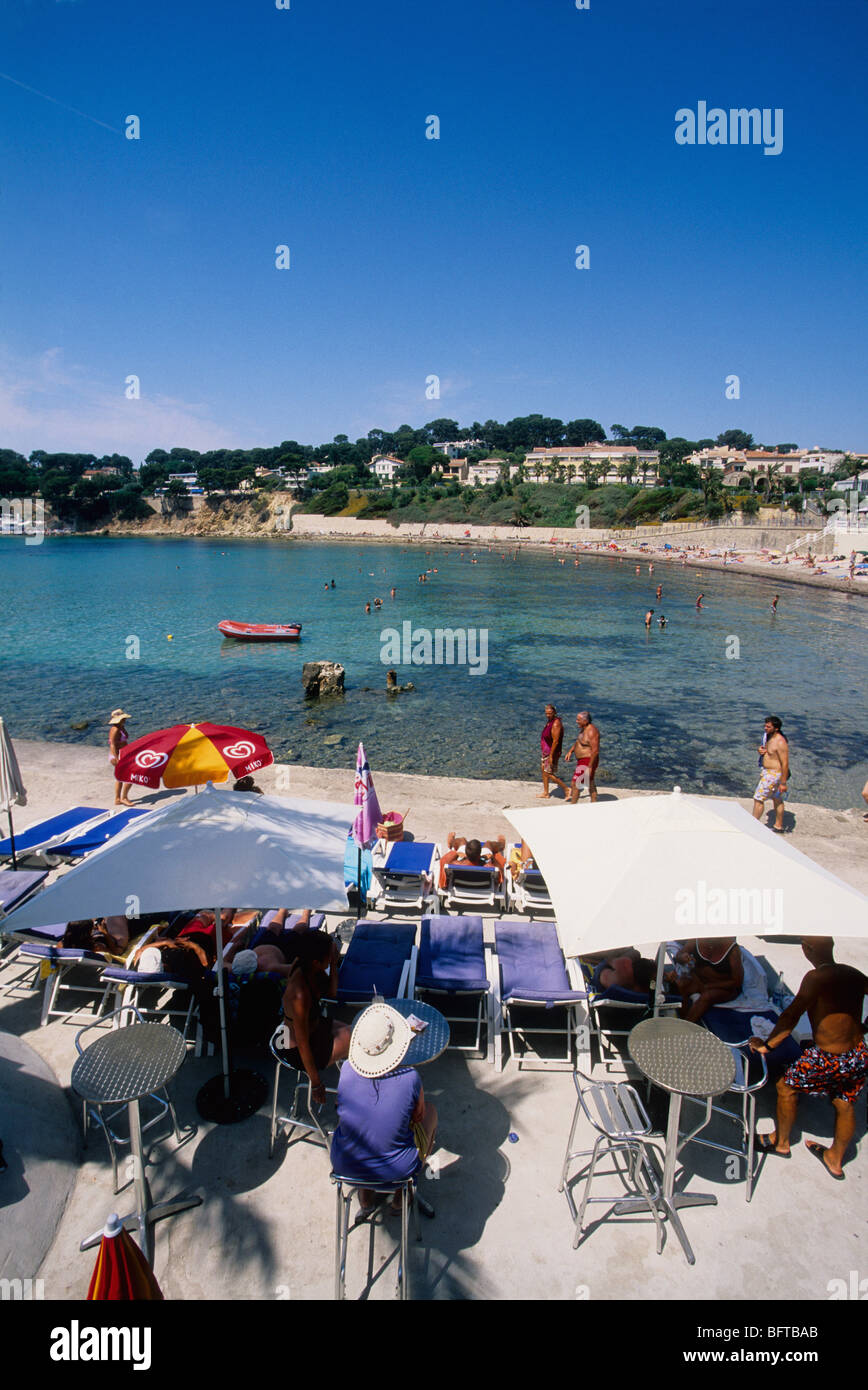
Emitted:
<point x="413" y="257"/>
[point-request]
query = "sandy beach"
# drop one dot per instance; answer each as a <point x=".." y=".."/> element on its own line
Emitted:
<point x="75" y="773"/>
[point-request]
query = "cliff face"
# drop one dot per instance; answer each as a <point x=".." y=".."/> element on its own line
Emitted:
<point x="264" y="514"/>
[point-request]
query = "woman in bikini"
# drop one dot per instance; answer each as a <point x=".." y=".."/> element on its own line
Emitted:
<point x="118" y="740"/>
<point x="312" y="1040"/>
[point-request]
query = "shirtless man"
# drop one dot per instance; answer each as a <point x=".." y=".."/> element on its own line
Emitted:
<point x="836" y="1065"/>
<point x="775" y="754"/>
<point x="648" y="616"/>
<point x="462" y="851"/>
<point x="586" y="751"/>
<point x="550" y="743"/>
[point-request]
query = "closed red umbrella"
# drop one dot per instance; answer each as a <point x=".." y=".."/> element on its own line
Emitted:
<point x="121" y="1271"/>
<point x="189" y="755"/>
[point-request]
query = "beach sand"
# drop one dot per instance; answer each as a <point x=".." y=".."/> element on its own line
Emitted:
<point x="58" y="774"/>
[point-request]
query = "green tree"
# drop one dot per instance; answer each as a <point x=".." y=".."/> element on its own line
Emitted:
<point x="735" y="439"/>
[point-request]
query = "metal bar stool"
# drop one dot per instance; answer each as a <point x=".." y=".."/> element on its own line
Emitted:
<point x="742" y="1086"/>
<point x="409" y="1196"/>
<point x="623" y="1128"/>
<point x="93" y="1110"/>
<point x="302" y="1088"/>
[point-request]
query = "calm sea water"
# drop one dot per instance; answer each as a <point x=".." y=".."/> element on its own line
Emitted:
<point x="671" y="706"/>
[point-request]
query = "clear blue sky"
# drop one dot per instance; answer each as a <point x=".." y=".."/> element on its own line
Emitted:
<point x="412" y="257"/>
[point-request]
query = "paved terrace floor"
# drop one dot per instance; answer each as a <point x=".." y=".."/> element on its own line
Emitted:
<point x="502" y="1230"/>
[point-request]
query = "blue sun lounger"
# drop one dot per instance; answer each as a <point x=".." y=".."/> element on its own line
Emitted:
<point x="31" y="841"/>
<point x="381" y="959"/>
<point x="94" y="837"/>
<point x="408" y="877"/>
<point x="452" y="965"/>
<point x="533" y="977"/>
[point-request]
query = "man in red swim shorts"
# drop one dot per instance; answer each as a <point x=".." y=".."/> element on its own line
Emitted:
<point x="586" y="751"/>
<point x="836" y="1065"/>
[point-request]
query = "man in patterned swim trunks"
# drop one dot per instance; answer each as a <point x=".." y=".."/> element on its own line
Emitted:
<point x="835" y="1066"/>
<point x="774" y="754"/>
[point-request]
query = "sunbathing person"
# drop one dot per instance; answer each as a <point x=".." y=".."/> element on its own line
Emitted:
<point x="473" y="852"/>
<point x="715" y="973"/>
<point x="313" y="1042"/>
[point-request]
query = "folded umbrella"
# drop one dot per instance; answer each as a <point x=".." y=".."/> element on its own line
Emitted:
<point x="121" y="1271"/>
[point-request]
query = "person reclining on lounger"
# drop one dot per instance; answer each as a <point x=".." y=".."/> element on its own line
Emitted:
<point x="273" y="945"/>
<point x="473" y="852"/>
<point x="715" y="973"/>
<point x="622" y="970"/>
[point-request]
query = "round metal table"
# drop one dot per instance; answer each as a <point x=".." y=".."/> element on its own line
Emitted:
<point x="428" y="1045"/>
<point x="121" y="1068"/>
<point x="684" y="1060"/>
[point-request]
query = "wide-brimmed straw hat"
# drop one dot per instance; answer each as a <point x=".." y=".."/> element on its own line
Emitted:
<point x="379" y="1041"/>
<point x="117" y="715"/>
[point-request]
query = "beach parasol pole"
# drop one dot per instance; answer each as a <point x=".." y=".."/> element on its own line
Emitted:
<point x="232" y="1095"/>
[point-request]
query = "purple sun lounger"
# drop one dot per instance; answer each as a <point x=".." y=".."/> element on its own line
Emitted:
<point x="381" y="959"/>
<point x="533" y="977"/>
<point x="452" y="965"/>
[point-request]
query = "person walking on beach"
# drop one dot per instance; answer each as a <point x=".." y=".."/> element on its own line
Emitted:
<point x="774" y="753"/>
<point x="586" y="750"/>
<point x="551" y="741"/>
<point x="118" y="740"/>
<point x="836" y="1063"/>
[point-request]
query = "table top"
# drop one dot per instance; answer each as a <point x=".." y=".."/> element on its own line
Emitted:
<point x="426" y="1046"/>
<point x="128" y="1063"/>
<point x="681" y="1057"/>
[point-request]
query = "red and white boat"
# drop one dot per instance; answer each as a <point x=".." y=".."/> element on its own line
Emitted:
<point x="260" y="632"/>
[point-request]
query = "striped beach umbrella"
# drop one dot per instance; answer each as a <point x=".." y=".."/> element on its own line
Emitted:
<point x="121" y="1271"/>
<point x="189" y="755"/>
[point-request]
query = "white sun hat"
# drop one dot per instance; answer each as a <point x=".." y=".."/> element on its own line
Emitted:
<point x="379" y="1041"/>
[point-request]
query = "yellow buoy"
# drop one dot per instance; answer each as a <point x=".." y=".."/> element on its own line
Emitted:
<point x="168" y="636"/>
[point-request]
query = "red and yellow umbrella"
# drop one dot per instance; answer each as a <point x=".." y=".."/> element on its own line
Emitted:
<point x="121" y="1271"/>
<point x="189" y="755"/>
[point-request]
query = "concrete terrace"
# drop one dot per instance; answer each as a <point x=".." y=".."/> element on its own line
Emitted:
<point x="265" y="1229"/>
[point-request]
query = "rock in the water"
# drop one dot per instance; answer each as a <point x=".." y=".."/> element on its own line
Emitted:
<point x="322" y="678"/>
<point x="85" y="724"/>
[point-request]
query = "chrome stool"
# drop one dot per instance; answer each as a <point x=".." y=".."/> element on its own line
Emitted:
<point x="302" y="1087"/>
<point x="409" y="1196"/>
<point x="623" y="1128"/>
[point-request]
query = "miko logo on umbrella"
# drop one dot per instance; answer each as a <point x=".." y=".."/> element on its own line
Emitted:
<point x="149" y="759"/>
<point x="238" y="752"/>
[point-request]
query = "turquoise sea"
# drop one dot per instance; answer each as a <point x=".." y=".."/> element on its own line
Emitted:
<point x="86" y="626"/>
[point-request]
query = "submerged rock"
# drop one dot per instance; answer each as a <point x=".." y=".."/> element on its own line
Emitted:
<point x="322" y="678"/>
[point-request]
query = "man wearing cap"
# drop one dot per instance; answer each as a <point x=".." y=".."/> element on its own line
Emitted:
<point x="118" y="740"/>
<point x="385" y="1126"/>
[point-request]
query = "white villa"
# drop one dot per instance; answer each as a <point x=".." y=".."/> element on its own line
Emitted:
<point x="620" y="462"/>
